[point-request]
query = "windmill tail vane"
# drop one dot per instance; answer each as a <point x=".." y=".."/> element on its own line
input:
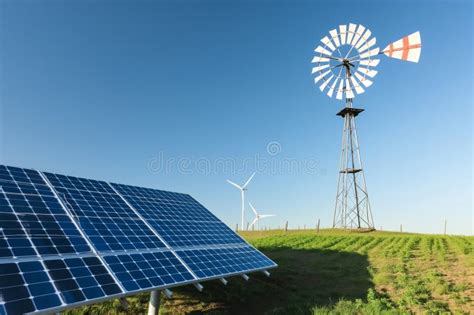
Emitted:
<point x="344" y="66"/>
<point x="408" y="48"/>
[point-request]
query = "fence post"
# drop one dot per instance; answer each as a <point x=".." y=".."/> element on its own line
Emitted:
<point x="445" y="224"/>
<point x="401" y="228"/>
<point x="317" y="226"/>
<point x="286" y="226"/>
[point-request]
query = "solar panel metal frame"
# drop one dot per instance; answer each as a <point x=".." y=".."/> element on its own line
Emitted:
<point x="96" y="254"/>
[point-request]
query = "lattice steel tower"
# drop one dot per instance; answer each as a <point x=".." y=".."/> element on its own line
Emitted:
<point x="352" y="49"/>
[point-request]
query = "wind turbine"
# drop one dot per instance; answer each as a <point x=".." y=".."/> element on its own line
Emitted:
<point x="242" y="189"/>
<point x="258" y="216"/>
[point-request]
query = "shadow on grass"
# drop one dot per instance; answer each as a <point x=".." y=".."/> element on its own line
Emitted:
<point x="304" y="278"/>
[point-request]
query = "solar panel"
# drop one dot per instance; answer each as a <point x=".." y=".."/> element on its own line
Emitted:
<point x="67" y="241"/>
<point x="32" y="222"/>
<point x="178" y="218"/>
<point x="212" y="262"/>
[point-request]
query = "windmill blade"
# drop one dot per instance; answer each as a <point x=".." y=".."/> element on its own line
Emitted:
<point x="326" y="82"/>
<point x="369" y="62"/>
<point x="267" y="216"/>
<point x="358" y="34"/>
<point x="323" y="51"/>
<point x="331" y="89"/>
<point x="319" y="77"/>
<point x="364" y="38"/>
<point x="366" y="82"/>
<point x="335" y="37"/>
<point x="253" y="222"/>
<point x="319" y="59"/>
<point x="327" y="42"/>
<point x="350" y="33"/>
<point x="234" y="184"/>
<point x="368" y="44"/>
<point x="408" y="48"/>
<point x="319" y="68"/>
<point x="343" y="33"/>
<point x="340" y="90"/>
<point x="356" y="85"/>
<point x="248" y="180"/>
<point x="370" y="53"/>
<point x="370" y="73"/>
<point x="348" y="90"/>
<point x="253" y="209"/>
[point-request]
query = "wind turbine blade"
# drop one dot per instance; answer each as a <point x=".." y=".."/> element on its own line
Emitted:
<point x="367" y="45"/>
<point x="370" y="62"/>
<point x="319" y="59"/>
<point x="323" y="51"/>
<point x="326" y="82"/>
<point x="351" y="32"/>
<point x="331" y="89"/>
<point x="356" y="85"/>
<point x="335" y="37"/>
<point x="253" y="222"/>
<point x="343" y="33"/>
<point x="340" y="90"/>
<point x="348" y="89"/>
<point x="319" y="68"/>
<point x="370" y="73"/>
<point x="267" y="215"/>
<point x="253" y="209"/>
<point x="326" y="41"/>
<point x="365" y="37"/>
<point x="370" y="53"/>
<point x="366" y="82"/>
<point x="408" y="48"/>
<point x="322" y="75"/>
<point x="248" y="180"/>
<point x="234" y="184"/>
<point x="358" y="34"/>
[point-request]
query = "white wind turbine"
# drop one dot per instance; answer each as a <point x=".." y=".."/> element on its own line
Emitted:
<point x="258" y="216"/>
<point x="242" y="189"/>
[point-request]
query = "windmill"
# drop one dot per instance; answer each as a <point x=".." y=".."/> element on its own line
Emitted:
<point x="344" y="66"/>
<point x="242" y="189"/>
<point x="258" y="217"/>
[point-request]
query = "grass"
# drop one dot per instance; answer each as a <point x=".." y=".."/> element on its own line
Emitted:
<point x="335" y="272"/>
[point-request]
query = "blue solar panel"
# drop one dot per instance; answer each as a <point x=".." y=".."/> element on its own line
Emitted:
<point x="56" y="233"/>
<point x="105" y="218"/>
<point x="148" y="270"/>
<point x="32" y="218"/>
<point x="25" y="287"/>
<point x="206" y="263"/>
<point x="81" y="279"/>
<point x="181" y="221"/>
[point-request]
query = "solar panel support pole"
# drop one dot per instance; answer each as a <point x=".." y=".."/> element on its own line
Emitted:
<point x="246" y="278"/>
<point x="168" y="293"/>
<point x="266" y="273"/>
<point x="223" y="280"/>
<point x="154" y="305"/>
<point x="198" y="286"/>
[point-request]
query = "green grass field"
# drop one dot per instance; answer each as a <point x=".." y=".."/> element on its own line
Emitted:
<point x="335" y="272"/>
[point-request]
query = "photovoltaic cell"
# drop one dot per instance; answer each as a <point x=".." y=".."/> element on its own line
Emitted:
<point x="25" y="287"/>
<point x="81" y="279"/>
<point x="181" y="221"/>
<point x="106" y="219"/>
<point x="148" y="270"/>
<point x="207" y="263"/>
<point x="31" y="217"/>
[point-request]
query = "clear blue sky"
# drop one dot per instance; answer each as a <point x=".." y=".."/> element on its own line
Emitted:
<point x="99" y="88"/>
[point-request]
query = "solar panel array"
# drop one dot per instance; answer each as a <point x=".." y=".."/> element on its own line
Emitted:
<point x="67" y="241"/>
